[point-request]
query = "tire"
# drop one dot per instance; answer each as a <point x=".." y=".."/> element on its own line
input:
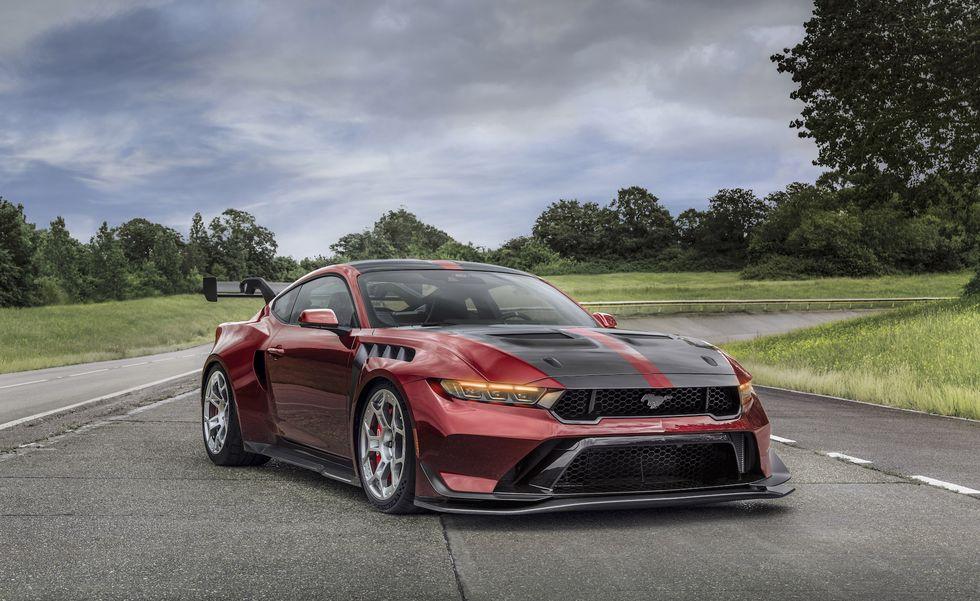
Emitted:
<point x="218" y="402"/>
<point x="390" y="489"/>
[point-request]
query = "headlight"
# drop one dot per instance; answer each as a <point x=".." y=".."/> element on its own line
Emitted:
<point x="745" y="392"/>
<point x="493" y="392"/>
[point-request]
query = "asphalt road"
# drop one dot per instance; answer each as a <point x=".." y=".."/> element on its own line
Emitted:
<point x="24" y="394"/>
<point x="27" y="393"/>
<point x="130" y="507"/>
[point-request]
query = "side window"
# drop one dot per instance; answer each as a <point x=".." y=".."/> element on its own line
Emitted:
<point x="329" y="292"/>
<point x="282" y="307"/>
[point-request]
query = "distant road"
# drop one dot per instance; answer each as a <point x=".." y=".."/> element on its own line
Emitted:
<point x="34" y="393"/>
<point x="721" y="327"/>
<point x="29" y="393"/>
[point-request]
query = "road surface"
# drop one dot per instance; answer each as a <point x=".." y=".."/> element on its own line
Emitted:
<point x="29" y="393"/>
<point x="130" y="507"/>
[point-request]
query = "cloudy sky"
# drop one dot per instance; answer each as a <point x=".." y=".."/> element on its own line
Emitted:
<point x="319" y="116"/>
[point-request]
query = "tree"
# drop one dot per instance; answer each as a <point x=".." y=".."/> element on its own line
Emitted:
<point x="240" y="246"/>
<point x="408" y="235"/>
<point x="286" y="269"/>
<point x="525" y="253"/>
<point x="154" y="254"/>
<point x="61" y="265"/>
<point x="890" y="86"/>
<point x="363" y="245"/>
<point x="811" y="231"/>
<point x="107" y="266"/>
<point x="578" y="231"/>
<point x="18" y="269"/>
<point x="309" y="264"/>
<point x="689" y="227"/>
<point x="198" y="252"/>
<point x="722" y="232"/>
<point x="397" y="235"/>
<point x="645" y="228"/>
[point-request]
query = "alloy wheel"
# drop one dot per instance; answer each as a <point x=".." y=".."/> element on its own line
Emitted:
<point x="217" y="402"/>
<point x="382" y="444"/>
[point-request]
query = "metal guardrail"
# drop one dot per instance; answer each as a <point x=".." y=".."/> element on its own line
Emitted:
<point x="765" y="303"/>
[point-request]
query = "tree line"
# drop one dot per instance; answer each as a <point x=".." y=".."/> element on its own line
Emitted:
<point x="801" y="231"/>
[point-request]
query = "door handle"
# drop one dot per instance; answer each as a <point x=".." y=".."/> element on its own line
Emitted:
<point x="276" y="351"/>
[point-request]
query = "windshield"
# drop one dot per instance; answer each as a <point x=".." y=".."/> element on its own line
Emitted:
<point x="454" y="297"/>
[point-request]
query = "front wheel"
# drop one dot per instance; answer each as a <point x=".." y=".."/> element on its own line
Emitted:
<point x="219" y="419"/>
<point x="385" y="451"/>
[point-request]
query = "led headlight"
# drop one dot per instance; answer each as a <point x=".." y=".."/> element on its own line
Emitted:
<point x="745" y="392"/>
<point x="493" y="392"/>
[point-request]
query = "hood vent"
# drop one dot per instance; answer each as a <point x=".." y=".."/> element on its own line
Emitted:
<point x="543" y="340"/>
<point x="534" y="336"/>
<point x="641" y="339"/>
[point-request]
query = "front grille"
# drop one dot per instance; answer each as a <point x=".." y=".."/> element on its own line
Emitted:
<point x="590" y="405"/>
<point x="649" y="468"/>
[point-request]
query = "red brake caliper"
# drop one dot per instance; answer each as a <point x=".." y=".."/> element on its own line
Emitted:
<point x="377" y="454"/>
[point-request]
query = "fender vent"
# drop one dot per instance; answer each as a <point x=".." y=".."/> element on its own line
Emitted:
<point x="258" y="364"/>
<point x="386" y="351"/>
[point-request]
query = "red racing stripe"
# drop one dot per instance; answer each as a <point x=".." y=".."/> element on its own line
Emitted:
<point x="647" y="369"/>
<point x="446" y="264"/>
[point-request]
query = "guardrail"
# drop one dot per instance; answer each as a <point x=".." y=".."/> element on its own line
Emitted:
<point x="805" y="304"/>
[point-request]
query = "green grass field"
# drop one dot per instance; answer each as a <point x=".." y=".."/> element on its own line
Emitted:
<point x="61" y="335"/>
<point x="727" y="285"/>
<point x="924" y="357"/>
<point x="39" y="337"/>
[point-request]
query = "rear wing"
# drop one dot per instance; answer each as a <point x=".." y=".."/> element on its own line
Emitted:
<point x="213" y="290"/>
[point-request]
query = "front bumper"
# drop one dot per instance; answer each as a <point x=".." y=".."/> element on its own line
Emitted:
<point x="469" y="455"/>
<point x="773" y="487"/>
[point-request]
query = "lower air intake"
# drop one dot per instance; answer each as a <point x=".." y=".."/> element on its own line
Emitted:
<point x="650" y="468"/>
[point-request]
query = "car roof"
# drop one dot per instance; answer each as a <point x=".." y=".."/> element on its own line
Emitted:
<point x="416" y="264"/>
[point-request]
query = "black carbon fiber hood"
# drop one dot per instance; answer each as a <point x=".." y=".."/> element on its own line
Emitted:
<point x="585" y="357"/>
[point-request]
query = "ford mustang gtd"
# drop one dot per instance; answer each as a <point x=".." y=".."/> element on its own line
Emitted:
<point x="470" y="388"/>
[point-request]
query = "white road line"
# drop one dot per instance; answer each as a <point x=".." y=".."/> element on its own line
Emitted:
<point x="781" y="439"/>
<point x="22" y="420"/>
<point x="947" y="485"/>
<point x="133" y="364"/>
<point x="164" y="359"/>
<point x="23" y="384"/>
<point x="85" y="373"/>
<point x="844" y="457"/>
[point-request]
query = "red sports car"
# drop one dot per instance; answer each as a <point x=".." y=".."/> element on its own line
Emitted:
<point x="471" y="388"/>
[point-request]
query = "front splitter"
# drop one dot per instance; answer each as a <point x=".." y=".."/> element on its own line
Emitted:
<point x="773" y="487"/>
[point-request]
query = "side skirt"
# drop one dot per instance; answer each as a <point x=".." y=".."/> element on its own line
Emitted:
<point x="325" y="464"/>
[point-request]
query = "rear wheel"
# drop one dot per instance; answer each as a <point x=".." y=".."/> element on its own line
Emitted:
<point x="385" y="451"/>
<point x="219" y="420"/>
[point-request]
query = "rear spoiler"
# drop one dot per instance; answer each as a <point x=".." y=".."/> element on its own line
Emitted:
<point x="246" y="289"/>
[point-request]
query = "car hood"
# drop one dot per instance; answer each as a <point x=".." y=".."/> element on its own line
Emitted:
<point x="579" y="357"/>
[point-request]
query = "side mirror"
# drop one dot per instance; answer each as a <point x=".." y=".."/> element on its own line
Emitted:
<point x="605" y="320"/>
<point x="324" y="319"/>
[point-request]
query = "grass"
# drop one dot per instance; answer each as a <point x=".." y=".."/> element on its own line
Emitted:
<point x="39" y="337"/>
<point x="727" y="285"/>
<point x="922" y="357"/>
